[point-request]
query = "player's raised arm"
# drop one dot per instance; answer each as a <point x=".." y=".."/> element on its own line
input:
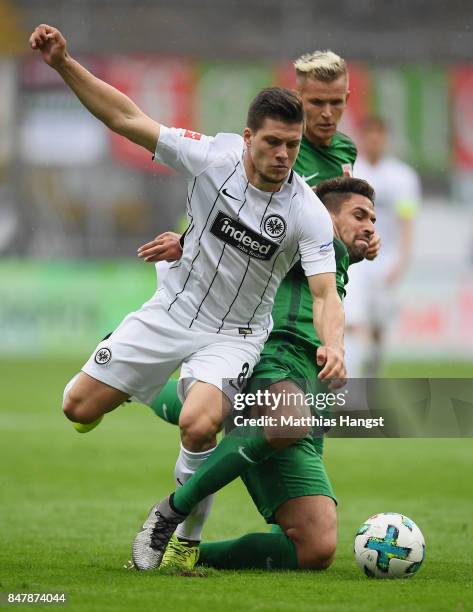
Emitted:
<point x="112" y="107"/>
<point x="329" y="323"/>
<point x="318" y="262"/>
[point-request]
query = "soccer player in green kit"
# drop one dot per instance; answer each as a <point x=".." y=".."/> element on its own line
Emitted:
<point x="290" y="487"/>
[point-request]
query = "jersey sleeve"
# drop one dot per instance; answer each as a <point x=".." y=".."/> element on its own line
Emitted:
<point x="408" y="193"/>
<point x="316" y="238"/>
<point x="187" y="152"/>
<point x="342" y="260"/>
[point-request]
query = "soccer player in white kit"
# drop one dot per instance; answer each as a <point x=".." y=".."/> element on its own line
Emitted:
<point x="250" y="218"/>
<point x="370" y="304"/>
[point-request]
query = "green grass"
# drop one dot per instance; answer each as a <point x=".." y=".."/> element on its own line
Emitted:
<point x="71" y="504"/>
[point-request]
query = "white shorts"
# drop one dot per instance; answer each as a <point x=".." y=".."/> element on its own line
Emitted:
<point x="149" y="345"/>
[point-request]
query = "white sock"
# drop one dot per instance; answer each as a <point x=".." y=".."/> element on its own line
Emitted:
<point x="187" y="463"/>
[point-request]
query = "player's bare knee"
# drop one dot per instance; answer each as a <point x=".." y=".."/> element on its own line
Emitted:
<point x="197" y="432"/>
<point x="76" y="408"/>
<point x="315" y="543"/>
<point x="72" y="407"/>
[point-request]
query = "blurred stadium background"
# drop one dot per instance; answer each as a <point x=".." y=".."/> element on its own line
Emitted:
<point x="76" y="201"/>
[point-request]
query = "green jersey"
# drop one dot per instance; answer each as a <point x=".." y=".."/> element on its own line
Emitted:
<point x="292" y="310"/>
<point x="315" y="164"/>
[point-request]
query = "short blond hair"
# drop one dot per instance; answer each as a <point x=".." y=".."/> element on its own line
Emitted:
<point x="321" y="65"/>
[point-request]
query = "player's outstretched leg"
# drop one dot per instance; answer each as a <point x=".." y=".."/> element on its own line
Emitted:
<point x="166" y="405"/>
<point x="86" y="400"/>
<point x="308" y="540"/>
<point x="83" y="396"/>
<point x="243" y="447"/>
<point x="151" y="542"/>
<point x="251" y="551"/>
<point x="199" y="422"/>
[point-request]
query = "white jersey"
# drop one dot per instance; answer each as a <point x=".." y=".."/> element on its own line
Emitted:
<point x="241" y="241"/>
<point x="397" y="188"/>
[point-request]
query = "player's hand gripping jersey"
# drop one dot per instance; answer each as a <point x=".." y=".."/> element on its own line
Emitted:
<point x="241" y="241"/>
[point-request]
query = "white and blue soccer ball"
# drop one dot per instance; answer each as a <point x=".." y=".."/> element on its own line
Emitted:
<point x="389" y="545"/>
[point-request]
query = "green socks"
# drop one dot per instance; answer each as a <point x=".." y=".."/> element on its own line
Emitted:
<point x="238" y="451"/>
<point x="167" y="404"/>
<point x="252" y="551"/>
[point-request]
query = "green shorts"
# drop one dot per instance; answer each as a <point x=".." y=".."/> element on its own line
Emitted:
<point x="281" y="360"/>
<point x="296" y="471"/>
<point x="299" y="469"/>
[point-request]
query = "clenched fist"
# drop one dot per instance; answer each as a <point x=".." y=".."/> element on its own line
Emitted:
<point x="50" y="43"/>
<point x="374" y="247"/>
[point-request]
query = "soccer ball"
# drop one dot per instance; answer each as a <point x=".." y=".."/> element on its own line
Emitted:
<point x="389" y="545"/>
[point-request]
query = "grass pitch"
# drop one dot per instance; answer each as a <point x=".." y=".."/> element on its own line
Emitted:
<point x="71" y="506"/>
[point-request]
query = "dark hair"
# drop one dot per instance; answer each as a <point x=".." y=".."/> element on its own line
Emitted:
<point x="334" y="192"/>
<point x="276" y="103"/>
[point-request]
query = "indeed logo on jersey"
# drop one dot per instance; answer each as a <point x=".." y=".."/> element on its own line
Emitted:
<point x="236" y="234"/>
